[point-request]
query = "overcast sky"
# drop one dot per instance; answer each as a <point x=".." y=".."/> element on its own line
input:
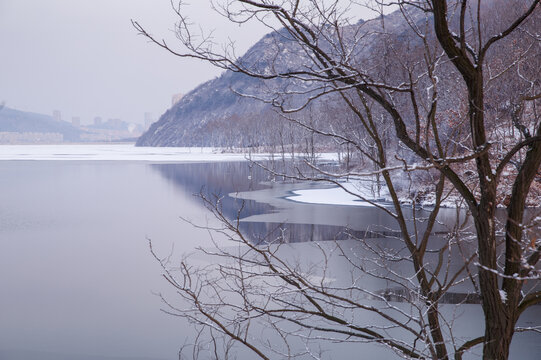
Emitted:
<point x="85" y="59"/>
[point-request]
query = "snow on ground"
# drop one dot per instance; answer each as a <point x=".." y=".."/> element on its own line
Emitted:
<point x="338" y="196"/>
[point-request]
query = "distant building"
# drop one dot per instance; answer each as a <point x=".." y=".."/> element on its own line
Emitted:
<point x="116" y="122"/>
<point x="97" y="121"/>
<point x="149" y="119"/>
<point x="76" y="121"/>
<point x="176" y="98"/>
<point x="57" y="115"/>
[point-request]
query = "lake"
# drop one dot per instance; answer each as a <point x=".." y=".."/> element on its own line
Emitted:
<point x="77" y="277"/>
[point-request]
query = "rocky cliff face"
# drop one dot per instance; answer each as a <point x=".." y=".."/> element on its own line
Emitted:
<point x="196" y="120"/>
<point x="214" y="114"/>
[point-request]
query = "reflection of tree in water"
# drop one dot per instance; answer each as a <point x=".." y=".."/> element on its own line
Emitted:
<point x="223" y="178"/>
<point x="219" y="179"/>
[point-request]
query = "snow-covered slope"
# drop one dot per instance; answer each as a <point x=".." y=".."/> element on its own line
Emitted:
<point x="214" y="115"/>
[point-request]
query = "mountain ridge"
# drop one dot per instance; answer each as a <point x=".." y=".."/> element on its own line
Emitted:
<point x="18" y="121"/>
<point x="205" y="111"/>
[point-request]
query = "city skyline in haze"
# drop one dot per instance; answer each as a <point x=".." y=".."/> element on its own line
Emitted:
<point x="86" y="60"/>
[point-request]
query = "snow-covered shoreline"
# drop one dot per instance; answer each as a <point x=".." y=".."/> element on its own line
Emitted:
<point x="362" y="193"/>
<point x="329" y="195"/>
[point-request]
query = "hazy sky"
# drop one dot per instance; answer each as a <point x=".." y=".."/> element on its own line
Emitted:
<point x="85" y="59"/>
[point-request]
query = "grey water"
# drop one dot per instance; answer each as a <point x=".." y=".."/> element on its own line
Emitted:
<point x="77" y="280"/>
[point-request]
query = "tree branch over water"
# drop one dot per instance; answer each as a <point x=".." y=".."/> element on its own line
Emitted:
<point x="406" y="95"/>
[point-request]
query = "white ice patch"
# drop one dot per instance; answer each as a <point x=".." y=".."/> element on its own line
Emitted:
<point x="119" y="152"/>
<point x="339" y="196"/>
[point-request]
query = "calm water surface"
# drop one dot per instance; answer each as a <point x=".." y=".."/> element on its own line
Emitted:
<point x="76" y="277"/>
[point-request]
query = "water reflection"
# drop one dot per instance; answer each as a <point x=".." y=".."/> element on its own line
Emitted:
<point x="251" y="193"/>
<point x="267" y="215"/>
<point x="218" y="180"/>
<point x="77" y="277"/>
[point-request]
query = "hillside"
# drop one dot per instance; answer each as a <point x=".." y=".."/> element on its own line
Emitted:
<point x="16" y="121"/>
<point x="214" y="114"/>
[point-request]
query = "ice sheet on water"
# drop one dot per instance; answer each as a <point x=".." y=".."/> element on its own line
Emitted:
<point x="343" y="195"/>
<point x="114" y="152"/>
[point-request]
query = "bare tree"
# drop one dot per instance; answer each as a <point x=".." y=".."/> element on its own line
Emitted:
<point x="456" y="84"/>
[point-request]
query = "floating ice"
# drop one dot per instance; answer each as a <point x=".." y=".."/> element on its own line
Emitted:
<point x="118" y="152"/>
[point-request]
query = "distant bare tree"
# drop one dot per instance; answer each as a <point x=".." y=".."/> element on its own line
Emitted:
<point x="445" y="91"/>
